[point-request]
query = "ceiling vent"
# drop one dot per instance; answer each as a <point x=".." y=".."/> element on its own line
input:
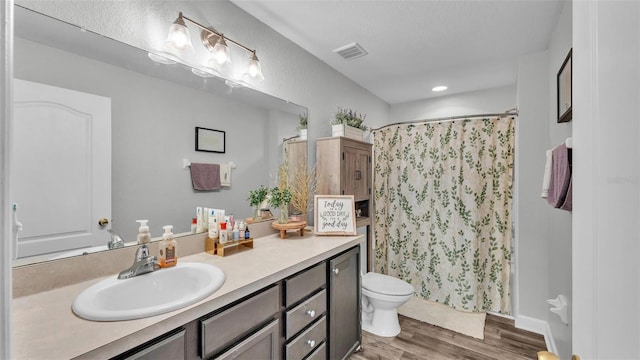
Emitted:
<point x="351" y="51"/>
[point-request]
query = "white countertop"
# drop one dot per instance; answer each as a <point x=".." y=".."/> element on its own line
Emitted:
<point x="45" y="327"/>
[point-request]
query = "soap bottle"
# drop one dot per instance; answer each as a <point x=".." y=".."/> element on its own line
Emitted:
<point x="168" y="248"/>
<point x="247" y="233"/>
<point x="223" y="232"/>
<point x="194" y="225"/>
<point x="241" y="227"/>
<point x="143" y="232"/>
<point x="236" y="232"/>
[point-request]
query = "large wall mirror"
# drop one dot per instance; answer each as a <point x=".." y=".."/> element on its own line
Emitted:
<point x="154" y="110"/>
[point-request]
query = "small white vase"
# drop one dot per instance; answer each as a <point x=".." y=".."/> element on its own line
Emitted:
<point x="302" y="134"/>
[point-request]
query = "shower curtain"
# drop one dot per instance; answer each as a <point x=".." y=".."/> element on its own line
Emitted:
<point x="442" y="207"/>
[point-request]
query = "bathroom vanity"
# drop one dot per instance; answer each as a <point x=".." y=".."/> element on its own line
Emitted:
<point x="284" y="299"/>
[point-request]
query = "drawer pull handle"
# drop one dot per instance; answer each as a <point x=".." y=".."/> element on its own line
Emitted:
<point x="312" y="343"/>
<point x="336" y="271"/>
<point x="311" y="313"/>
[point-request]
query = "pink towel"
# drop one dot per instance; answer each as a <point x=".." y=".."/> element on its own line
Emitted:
<point x="560" y="177"/>
<point x="205" y="176"/>
<point x="568" y="201"/>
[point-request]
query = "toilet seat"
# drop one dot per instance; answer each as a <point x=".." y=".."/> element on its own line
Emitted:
<point x="385" y="284"/>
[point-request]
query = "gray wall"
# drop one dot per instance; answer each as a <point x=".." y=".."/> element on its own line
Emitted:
<point x="543" y="233"/>
<point x="532" y="212"/>
<point x="559" y="225"/>
<point x="494" y="100"/>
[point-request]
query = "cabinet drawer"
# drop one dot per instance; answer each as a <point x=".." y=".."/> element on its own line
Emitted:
<point x="264" y="344"/>
<point x="305" y="313"/>
<point x="304" y="343"/>
<point x="223" y="329"/>
<point x="305" y="283"/>
<point x="170" y="348"/>
<point x="320" y="353"/>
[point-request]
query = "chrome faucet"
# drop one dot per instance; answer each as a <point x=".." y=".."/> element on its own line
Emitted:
<point x="116" y="241"/>
<point x="142" y="264"/>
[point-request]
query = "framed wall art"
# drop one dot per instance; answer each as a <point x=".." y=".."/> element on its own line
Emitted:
<point x="564" y="90"/>
<point x="210" y="140"/>
<point x="334" y="215"/>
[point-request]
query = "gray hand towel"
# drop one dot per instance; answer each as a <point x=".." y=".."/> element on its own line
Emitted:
<point x="205" y="176"/>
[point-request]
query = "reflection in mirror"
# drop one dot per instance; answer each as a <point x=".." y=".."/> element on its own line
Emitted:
<point x="154" y="110"/>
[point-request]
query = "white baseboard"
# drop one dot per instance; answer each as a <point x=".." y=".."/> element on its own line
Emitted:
<point x="539" y="327"/>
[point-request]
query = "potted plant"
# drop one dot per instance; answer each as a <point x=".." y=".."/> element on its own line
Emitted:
<point x="302" y="126"/>
<point x="257" y="197"/>
<point x="348" y="123"/>
<point x="280" y="198"/>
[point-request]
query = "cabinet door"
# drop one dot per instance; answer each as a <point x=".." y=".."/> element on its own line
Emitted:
<point x="344" y="304"/>
<point x="356" y="173"/>
<point x="264" y="344"/>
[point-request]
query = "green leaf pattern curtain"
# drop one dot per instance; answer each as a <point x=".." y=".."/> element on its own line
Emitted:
<point x="442" y="207"/>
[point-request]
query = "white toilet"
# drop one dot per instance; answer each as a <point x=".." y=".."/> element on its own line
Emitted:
<point x="382" y="295"/>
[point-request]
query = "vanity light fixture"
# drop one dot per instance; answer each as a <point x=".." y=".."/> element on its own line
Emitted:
<point x="439" y="88"/>
<point x="179" y="38"/>
<point x="179" y="43"/>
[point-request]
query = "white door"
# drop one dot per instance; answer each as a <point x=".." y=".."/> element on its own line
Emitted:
<point x="61" y="168"/>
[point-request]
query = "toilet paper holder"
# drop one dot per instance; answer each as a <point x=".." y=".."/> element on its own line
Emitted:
<point x="559" y="307"/>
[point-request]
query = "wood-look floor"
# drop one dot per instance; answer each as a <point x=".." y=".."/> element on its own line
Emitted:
<point x="419" y="340"/>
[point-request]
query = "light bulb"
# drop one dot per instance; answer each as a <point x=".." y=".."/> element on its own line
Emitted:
<point x="179" y="38"/>
<point x="255" y="70"/>
<point x="221" y="54"/>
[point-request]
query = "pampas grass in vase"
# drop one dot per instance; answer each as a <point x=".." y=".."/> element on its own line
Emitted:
<point x="303" y="189"/>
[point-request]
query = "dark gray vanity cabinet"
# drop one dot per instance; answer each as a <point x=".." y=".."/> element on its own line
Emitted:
<point x="344" y="304"/>
<point x="311" y="315"/>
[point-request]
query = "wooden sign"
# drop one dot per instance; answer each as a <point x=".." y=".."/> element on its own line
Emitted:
<point x="334" y="215"/>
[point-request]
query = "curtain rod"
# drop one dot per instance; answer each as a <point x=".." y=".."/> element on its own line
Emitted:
<point x="509" y="112"/>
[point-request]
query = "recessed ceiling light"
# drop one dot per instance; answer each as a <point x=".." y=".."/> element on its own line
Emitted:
<point x="439" y="88"/>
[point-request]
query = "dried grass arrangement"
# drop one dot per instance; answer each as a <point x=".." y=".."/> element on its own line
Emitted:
<point x="303" y="188"/>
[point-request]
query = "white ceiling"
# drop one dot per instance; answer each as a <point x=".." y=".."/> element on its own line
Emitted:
<point x="414" y="45"/>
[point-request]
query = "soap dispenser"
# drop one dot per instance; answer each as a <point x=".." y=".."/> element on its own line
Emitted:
<point x="143" y="232"/>
<point x="168" y="248"/>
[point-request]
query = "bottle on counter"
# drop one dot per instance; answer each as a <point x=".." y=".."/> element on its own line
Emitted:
<point x="241" y="228"/>
<point x="194" y="225"/>
<point x="222" y="234"/>
<point x="168" y="248"/>
<point x="247" y="233"/>
<point x="236" y="232"/>
<point x="144" y="236"/>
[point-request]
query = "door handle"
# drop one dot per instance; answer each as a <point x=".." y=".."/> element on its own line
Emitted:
<point x="358" y="174"/>
<point x="103" y="222"/>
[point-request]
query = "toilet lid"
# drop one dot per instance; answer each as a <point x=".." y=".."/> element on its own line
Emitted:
<point x="385" y="284"/>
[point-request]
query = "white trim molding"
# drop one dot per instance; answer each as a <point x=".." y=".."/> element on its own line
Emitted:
<point x="6" y="62"/>
<point x="539" y="327"/>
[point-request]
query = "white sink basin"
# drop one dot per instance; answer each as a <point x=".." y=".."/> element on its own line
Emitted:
<point x="150" y="294"/>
